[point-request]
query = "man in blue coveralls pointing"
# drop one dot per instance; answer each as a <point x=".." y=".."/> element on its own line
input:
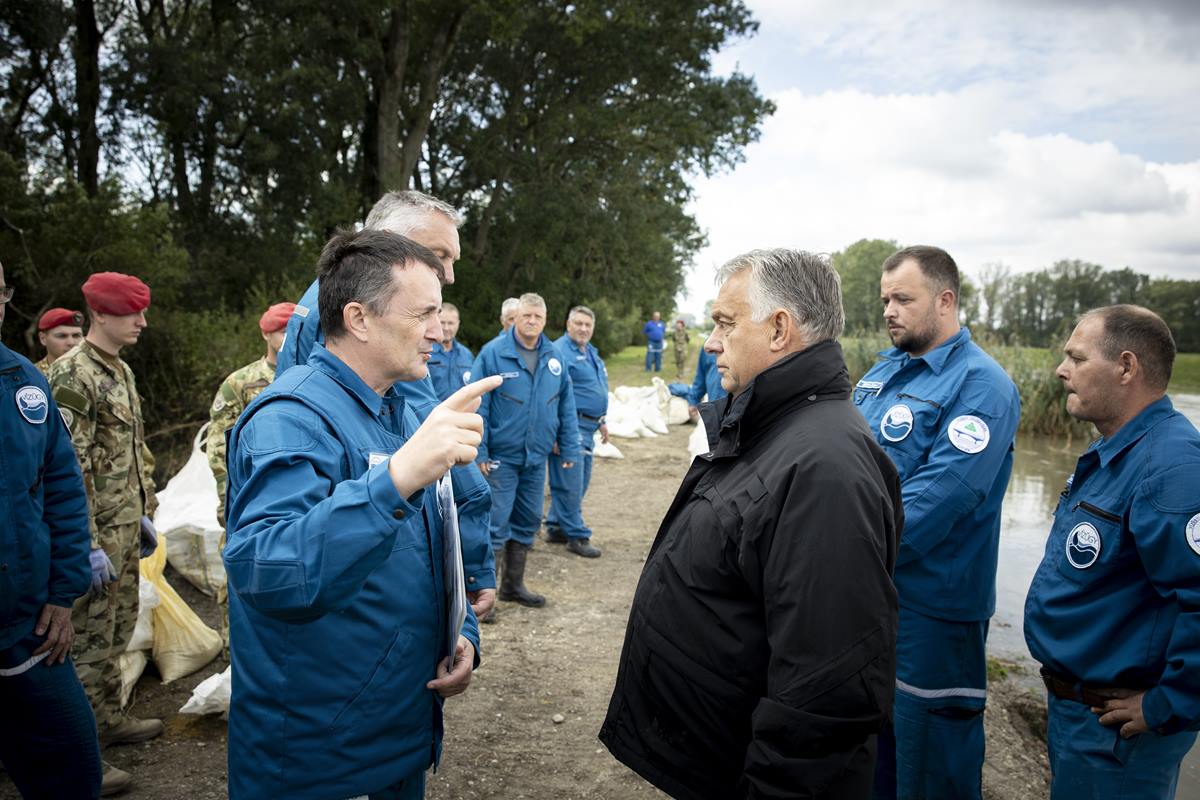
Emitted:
<point x="1113" y="613"/>
<point x="946" y="413"/>
<point x="531" y="412"/>
<point x="337" y="603"/>
<point x="589" y="381"/>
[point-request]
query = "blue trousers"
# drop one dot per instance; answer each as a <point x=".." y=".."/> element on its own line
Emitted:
<point x="48" y="737"/>
<point x="934" y="746"/>
<point x="567" y="488"/>
<point x="1089" y="761"/>
<point x="411" y="788"/>
<point x="516" y="501"/>
<point x="654" y="356"/>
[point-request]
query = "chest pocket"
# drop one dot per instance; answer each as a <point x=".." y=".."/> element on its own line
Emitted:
<point x="411" y="533"/>
<point x="1093" y="545"/>
<point x="708" y="554"/>
<point x="510" y="398"/>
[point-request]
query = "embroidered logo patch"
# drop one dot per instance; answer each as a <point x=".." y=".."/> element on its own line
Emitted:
<point x="67" y="416"/>
<point x="377" y="458"/>
<point x="1192" y="529"/>
<point x="467" y="376"/>
<point x="1083" y="545"/>
<point x="897" y="423"/>
<point x="554" y="366"/>
<point x="33" y="404"/>
<point x="969" y="434"/>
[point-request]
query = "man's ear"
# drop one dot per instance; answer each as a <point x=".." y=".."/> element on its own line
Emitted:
<point x="782" y="329"/>
<point x="1131" y="368"/>
<point x="354" y="317"/>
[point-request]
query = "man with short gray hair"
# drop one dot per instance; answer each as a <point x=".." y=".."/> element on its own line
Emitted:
<point x="508" y="314"/>
<point x="760" y="651"/>
<point x="531" y="413"/>
<point x="589" y="381"/>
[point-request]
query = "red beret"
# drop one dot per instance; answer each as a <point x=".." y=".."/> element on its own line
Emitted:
<point x="276" y="317"/>
<point x="60" y="316"/>
<point x="114" y="293"/>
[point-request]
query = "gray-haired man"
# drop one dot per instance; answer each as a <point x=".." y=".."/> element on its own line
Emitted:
<point x="760" y="652"/>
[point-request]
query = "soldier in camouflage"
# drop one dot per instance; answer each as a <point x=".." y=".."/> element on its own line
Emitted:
<point x="236" y="392"/>
<point x="59" y="329"/>
<point x="96" y="393"/>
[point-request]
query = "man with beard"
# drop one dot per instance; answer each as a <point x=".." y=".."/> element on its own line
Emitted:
<point x="947" y="414"/>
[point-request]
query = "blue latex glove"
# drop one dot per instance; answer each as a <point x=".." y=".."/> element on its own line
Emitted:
<point x="102" y="570"/>
<point x="149" y="538"/>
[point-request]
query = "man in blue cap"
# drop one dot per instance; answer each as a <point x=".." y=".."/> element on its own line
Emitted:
<point x="946" y="413"/>
<point x="531" y="412"/>
<point x="338" y="608"/>
<point x="48" y="739"/>
<point x="589" y="380"/>
<point x="1113" y="613"/>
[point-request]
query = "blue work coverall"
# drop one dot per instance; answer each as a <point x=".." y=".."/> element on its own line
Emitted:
<point x="522" y="420"/>
<point x="655" y="331"/>
<point x="589" y="380"/>
<point x="948" y="420"/>
<point x="450" y="370"/>
<point x="336" y="596"/>
<point x="707" y="382"/>
<point x="471" y="494"/>
<point x="1116" y="603"/>
<point x="48" y="736"/>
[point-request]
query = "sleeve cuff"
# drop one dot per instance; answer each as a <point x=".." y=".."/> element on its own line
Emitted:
<point x="481" y="579"/>
<point x="386" y="499"/>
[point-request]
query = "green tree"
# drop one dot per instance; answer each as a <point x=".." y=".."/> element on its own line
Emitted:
<point x="860" y="266"/>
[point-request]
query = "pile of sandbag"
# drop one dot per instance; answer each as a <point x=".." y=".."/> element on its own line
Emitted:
<point x="187" y="516"/>
<point x="644" y="411"/>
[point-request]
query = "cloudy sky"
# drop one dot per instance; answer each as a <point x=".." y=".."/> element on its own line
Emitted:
<point x="1014" y="132"/>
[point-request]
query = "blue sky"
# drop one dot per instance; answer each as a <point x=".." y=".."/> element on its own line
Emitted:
<point x="1016" y="133"/>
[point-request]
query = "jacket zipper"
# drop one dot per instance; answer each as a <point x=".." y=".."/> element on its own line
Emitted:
<point x="918" y="399"/>
<point x="1097" y="512"/>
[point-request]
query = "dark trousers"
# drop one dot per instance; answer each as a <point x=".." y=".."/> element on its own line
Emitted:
<point x="48" y="735"/>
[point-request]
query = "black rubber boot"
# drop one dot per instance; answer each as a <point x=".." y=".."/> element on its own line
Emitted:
<point x="512" y="580"/>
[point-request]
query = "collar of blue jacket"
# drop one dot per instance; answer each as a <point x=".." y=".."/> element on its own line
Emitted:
<point x="935" y="358"/>
<point x="1132" y="431"/>
<point x="325" y="361"/>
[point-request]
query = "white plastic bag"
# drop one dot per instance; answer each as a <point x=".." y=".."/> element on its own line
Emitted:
<point x="187" y="518"/>
<point x="143" y="631"/>
<point x="602" y="449"/>
<point x="698" y="441"/>
<point x="677" y="411"/>
<point x="211" y="696"/>
<point x="130" y="664"/>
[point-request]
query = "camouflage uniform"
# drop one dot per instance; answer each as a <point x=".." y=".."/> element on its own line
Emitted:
<point x="681" y="349"/>
<point x="236" y="392"/>
<point x="99" y="401"/>
<point x="44" y="366"/>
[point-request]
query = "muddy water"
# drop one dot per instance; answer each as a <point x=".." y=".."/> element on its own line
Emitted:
<point x="1040" y="469"/>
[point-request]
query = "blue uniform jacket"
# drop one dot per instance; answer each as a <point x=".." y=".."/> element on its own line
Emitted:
<point x="1116" y="599"/>
<point x="472" y="496"/>
<point x="708" y="381"/>
<point x="654" y="332"/>
<point x="336" y="596"/>
<point x="589" y="379"/>
<point x="525" y="416"/>
<point x="450" y="371"/>
<point x="948" y="420"/>
<point x="44" y="538"/>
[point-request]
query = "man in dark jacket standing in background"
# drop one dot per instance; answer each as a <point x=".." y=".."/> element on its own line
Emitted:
<point x="759" y="658"/>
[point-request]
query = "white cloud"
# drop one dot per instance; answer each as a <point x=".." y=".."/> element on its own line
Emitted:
<point x="1002" y="133"/>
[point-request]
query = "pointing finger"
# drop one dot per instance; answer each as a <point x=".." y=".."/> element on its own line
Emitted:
<point x="467" y="398"/>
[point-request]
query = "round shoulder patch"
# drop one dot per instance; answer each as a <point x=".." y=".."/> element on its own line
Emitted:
<point x="897" y="423"/>
<point x="969" y="434"/>
<point x="1192" y="529"/>
<point x="466" y="377"/>
<point x="554" y="366"/>
<point x="33" y="404"/>
<point x="1083" y="545"/>
<point x="67" y="416"/>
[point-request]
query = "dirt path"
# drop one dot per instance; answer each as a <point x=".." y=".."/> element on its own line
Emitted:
<point x="502" y="741"/>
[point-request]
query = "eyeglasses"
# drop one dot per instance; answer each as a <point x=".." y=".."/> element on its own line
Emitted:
<point x="6" y="293"/>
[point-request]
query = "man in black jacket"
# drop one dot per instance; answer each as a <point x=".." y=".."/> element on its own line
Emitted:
<point x="759" y="659"/>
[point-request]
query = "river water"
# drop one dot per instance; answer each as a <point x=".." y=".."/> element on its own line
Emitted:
<point x="1040" y="469"/>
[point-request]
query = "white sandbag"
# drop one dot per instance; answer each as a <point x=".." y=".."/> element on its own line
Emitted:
<point x="630" y="394"/>
<point x="623" y="421"/>
<point x="130" y="664"/>
<point x="603" y="449"/>
<point x="652" y="417"/>
<point x="698" y="441"/>
<point x="187" y="519"/>
<point x="143" y="630"/>
<point x="211" y="696"/>
<point x="677" y="411"/>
